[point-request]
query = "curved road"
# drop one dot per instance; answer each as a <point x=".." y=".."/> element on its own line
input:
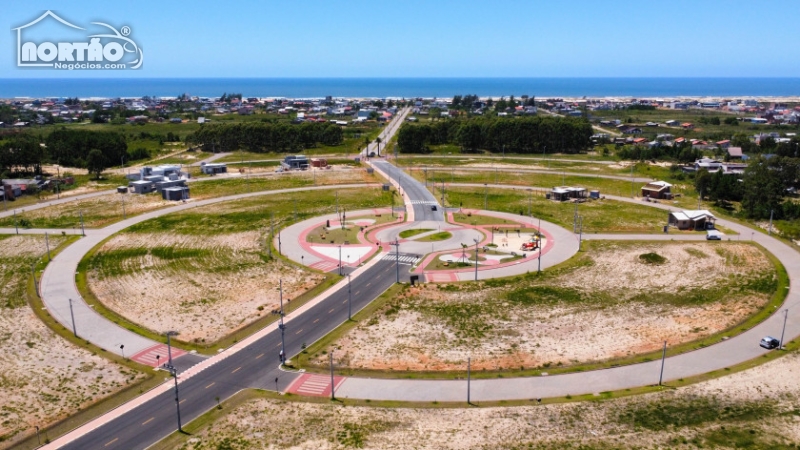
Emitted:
<point x="247" y="364"/>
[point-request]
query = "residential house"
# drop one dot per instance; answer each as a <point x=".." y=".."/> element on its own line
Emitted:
<point x="687" y="126"/>
<point x="563" y="193"/>
<point x="692" y="220"/>
<point x="657" y="189"/>
<point x="735" y="152"/>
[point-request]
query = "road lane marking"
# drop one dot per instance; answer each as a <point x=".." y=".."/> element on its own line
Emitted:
<point x="344" y="302"/>
<point x="332" y="309"/>
<point x="317" y="320"/>
<point x="279" y="344"/>
<point x="213" y="383"/>
<point x="259" y="356"/>
<point x="369" y="283"/>
<point x="181" y="401"/>
<point x="301" y="330"/>
<point x="236" y="369"/>
<point x="357" y="292"/>
<point x="111" y="442"/>
<point x="148" y="421"/>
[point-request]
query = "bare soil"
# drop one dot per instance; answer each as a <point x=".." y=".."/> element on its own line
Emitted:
<point x="43" y="378"/>
<point x="203" y="298"/>
<point x="619" y="314"/>
<point x="744" y="410"/>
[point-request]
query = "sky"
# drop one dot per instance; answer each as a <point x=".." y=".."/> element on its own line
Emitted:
<point x="433" y="38"/>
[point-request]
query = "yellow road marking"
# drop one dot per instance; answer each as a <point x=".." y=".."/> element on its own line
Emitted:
<point x="148" y="421"/>
<point x="111" y="441"/>
<point x="213" y="383"/>
<point x="236" y="370"/>
<point x="259" y="356"/>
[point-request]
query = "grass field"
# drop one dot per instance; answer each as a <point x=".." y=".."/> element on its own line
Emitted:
<point x="600" y="216"/>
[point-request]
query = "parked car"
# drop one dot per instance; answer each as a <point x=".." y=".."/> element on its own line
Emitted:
<point x="770" y="342"/>
<point x="713" y="235"/>
<point x="434" y="208"/>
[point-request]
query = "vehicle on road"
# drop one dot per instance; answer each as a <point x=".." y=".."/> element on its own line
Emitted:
<point x="434" y="208"/>
<point x="770" y="342"/>
<point x="529" y="246"/>
<point x="713" y="235"/>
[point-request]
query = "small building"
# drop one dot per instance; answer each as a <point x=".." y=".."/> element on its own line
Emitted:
<point x="692" y="220"/>
<point x="142" y="186"/>
<point x="295" y="162"/>
<point x="657" y="189"/>
<point x="166" y="184"/>
<point x="564" y="193"/>
<point x="735" y="152"/>
<point x="213" y="168"/>
<point x="176" y="193"/>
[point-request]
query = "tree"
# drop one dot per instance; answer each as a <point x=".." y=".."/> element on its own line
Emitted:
<point x="96" y="162"/>
<point x="378" y="141"/>
<point x="702" y="182"/>
<point x="763" y="191"/>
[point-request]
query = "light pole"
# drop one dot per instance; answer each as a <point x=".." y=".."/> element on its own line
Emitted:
<point x="169" y="345"/>
<point x="174" y="372"/>
<point x="530" y="198"/>
<point x="476" y="258"/>
<point x="396" y="245"/>
<point x="124" y="216"/>
<point x="35" y="283"/>
<point x="541" y="242"/>
<point x="340" y="260"/>
<point x="122" y="350"/>
<point x="349" y="299"/>
<point x="282" y="326"/>
<point x="783" y="331"/>
<point x="83" y="231"/>
<point x="469" y="376"/>
<point x="72" y="315"/>
<point x="333" y="385"/>
<point x="485" y="196"/>
<point x="16" y="227"/>
<point x="663" y="357"/>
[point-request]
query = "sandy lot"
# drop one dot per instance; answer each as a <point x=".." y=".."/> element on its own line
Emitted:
<point x="745" y="408"/>
<point x="613" y="310"/>
<point x="219" y="286"/>
<point x="43" y="378"/>
<point x="97" y="211"/>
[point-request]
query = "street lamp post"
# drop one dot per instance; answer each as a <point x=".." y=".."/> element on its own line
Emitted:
<point x="340" y="260"/>
<point x="349" y="299"/>
<point x="783" y="331"/>
<point x="476" y="258"/>
<point x="282" y="326"/>
<point x="169" y="345"/>
<point x="72" y="315"/>
<point x="174" y="372"/>
<point x="396" y="245"/>
<point x="485" y="196"/>
<point x="124" y="216"/>
<point x="122" y="350"/>
<point x="541" y="241"/>
<point x="16" y="227"/>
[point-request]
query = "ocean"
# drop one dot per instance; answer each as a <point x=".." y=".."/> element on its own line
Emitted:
<point x="400" y="87"/>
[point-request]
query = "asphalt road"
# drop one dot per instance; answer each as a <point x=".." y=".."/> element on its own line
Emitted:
<point x="421" y="199"/>
<point x="256" y="366"/>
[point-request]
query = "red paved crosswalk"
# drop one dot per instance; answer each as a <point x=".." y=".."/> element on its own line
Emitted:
<point x="325" y="266"/>
<point x="314" y="385"/>
<point x="148" y="355"/>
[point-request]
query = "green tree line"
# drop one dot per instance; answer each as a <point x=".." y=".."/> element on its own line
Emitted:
<point x="266" y="137"/>
<point x="514" y="135"/>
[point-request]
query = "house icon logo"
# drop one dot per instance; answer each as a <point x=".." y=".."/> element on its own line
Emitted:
<point x="112" y="50"/>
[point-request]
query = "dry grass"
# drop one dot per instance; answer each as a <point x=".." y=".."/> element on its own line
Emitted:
<point x="43" y="378"/>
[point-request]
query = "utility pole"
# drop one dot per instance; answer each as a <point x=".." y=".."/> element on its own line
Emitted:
<point x="174" y="372"/>
<point x="47" y="245"/>
<point x="72" y="315"/>
<point x="271" y="234"/>
<point x="83" y="232"/>
<point x="16" y="227"/>
<point x="632" y="180"/>
<point x="663" y="357"/>
<point x="485" y="196"/>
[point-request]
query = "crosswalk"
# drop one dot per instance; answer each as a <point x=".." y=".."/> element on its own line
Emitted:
<point x="156" y="355"/>
<point x="314" y="385"/>
<point x="325" y="266"/>
<point x="409" y="259"/>
<point x="424" y="202"/>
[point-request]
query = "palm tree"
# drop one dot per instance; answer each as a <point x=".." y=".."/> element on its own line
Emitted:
<point x="378" y="141"/>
